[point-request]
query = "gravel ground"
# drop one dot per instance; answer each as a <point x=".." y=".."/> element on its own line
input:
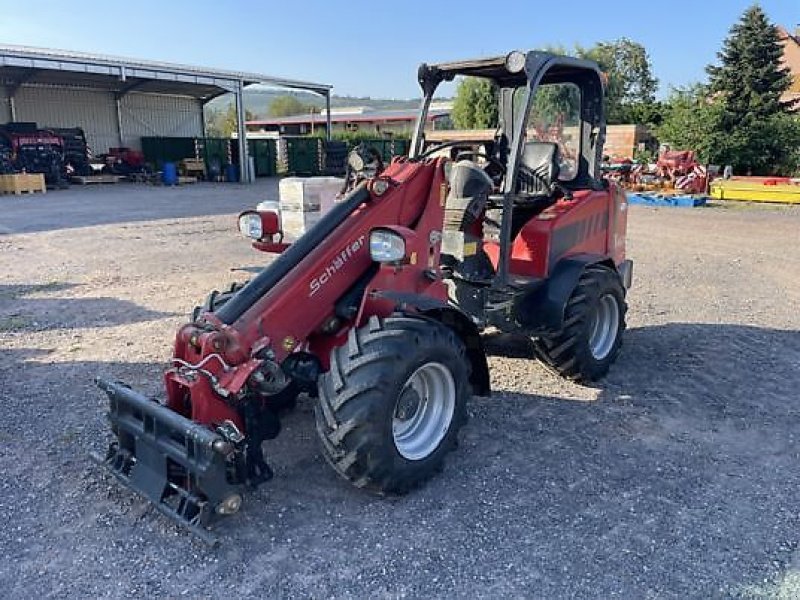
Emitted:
<point x="676" y="477"/>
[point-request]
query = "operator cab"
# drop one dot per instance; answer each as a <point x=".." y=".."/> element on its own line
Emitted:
<point x="541" y="143"/>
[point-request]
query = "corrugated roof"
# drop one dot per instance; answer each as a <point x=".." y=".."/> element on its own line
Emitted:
<point x="27" y="65"/>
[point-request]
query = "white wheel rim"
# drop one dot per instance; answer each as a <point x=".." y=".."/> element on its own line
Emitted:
<point x="424" y="411"/>
<point x="604" y="326"/>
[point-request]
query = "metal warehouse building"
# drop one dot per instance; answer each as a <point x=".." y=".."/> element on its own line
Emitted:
<point x="117" y="101"/>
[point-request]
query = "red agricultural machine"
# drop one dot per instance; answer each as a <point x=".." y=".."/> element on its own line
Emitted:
<point x="683" y="171"/>
<point x="677" y="170"/>
<point x="25" y="148"/>
<point x="377" y="311"/>
<point x="122" y="161"/>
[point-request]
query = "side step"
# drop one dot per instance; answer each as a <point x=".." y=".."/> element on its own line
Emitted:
<point x="185" y="469"/>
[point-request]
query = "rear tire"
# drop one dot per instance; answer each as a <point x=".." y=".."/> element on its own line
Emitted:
<point x="594" y="320"/>
<point x="392" y="403"/>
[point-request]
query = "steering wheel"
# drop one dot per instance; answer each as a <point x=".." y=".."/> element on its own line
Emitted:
<point x="436" y="148"/>
<point x="490" y="159"/>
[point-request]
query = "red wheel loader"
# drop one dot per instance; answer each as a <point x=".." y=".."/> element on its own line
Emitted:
<point x="377" y="311"/>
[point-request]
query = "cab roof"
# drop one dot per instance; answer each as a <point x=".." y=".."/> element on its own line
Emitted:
<point x="556" y="68"/>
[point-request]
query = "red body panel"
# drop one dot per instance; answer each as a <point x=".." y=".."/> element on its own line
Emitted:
<point x="271" y="247"/>
<point x="592" y="222"/>
<point x="421" y="274"/>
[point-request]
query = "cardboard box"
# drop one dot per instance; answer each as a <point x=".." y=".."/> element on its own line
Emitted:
<point x="308" y="193"/>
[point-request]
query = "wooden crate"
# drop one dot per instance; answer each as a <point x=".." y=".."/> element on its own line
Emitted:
<point x="22" y="183"/>
<point x="193" y="166"/>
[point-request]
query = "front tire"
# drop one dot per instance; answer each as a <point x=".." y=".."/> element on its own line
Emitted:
<point x="594" y="321"/>
<point x="216" y="299"/>
<point x="392" y="403"/>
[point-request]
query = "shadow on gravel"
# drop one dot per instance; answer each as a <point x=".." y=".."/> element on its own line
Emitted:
<point x="13" y="291"/>
<point x="681" y="481"/>
<point x="719" y="355"/>
<point x="507" y="344"/>
<point x="724" y="364"/>
<point x="253" y="270"/>
<point x="86" y="206"/>
<point x="43" y="314"/>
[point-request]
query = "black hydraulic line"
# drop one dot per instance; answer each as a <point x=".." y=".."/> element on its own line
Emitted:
<point x="234" y="308"/>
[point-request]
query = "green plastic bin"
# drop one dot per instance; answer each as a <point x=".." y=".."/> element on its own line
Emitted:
<point x="303" y="155"/>
<point x="264" y="153"/>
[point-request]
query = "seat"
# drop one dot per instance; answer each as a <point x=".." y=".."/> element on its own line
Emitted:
<point x="536" y="181"/>
<point x="539" y="168"/>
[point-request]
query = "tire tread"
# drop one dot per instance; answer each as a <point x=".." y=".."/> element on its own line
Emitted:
<point x="353" y="396"/>
<point x="564" y="352"/>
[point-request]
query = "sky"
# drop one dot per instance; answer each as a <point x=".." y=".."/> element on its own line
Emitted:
<point x="373" y="48"/>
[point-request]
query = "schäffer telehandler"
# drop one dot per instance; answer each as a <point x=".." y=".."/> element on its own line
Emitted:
<point x="377" y="311"/>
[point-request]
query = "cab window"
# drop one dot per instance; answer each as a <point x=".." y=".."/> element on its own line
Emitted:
<point x="555" y="116"/>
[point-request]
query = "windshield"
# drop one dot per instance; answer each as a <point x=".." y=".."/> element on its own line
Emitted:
<point x="467" y="123"/>
<point x="555" y="116"/>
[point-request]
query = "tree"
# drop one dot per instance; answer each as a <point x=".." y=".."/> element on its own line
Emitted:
<point x="475" y="104"/>
<point x="631" y="87"/>
<point x="762" y="135"/>
<point x="739" y="119"/>
<point x="286" y="106"/>
<point x="222" y="122"/>
<point x="554" y="102"/>
<point x="750" y="78"/>
<point x="630" y="93"/>
<point x="691" y="122"/>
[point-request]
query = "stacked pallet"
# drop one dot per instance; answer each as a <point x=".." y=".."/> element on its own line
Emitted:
<point x="303" y="200"/>
<point x="193" y="167"/>
<point x="95" y="179"/>
<point x="22" y="183"/>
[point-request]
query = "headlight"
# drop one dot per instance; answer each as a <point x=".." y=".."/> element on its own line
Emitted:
<point x="379" y="186"/>
<point x="250" y="225"/>
<point x="515" y="61"/>
<point x="261" y="225"/>
<point x="386" y="246"/>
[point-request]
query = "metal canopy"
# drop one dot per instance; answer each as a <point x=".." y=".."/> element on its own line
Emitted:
<point x="60" y="67"/>
<point x="23" y="65"/>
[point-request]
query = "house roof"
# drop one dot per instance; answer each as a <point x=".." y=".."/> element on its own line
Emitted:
<point x="791" y="59"/>
<point x="375" y="116"/>
<point x="783" y="34"/>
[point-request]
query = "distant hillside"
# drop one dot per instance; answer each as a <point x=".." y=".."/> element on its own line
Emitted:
<point x="257" y="101"/>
